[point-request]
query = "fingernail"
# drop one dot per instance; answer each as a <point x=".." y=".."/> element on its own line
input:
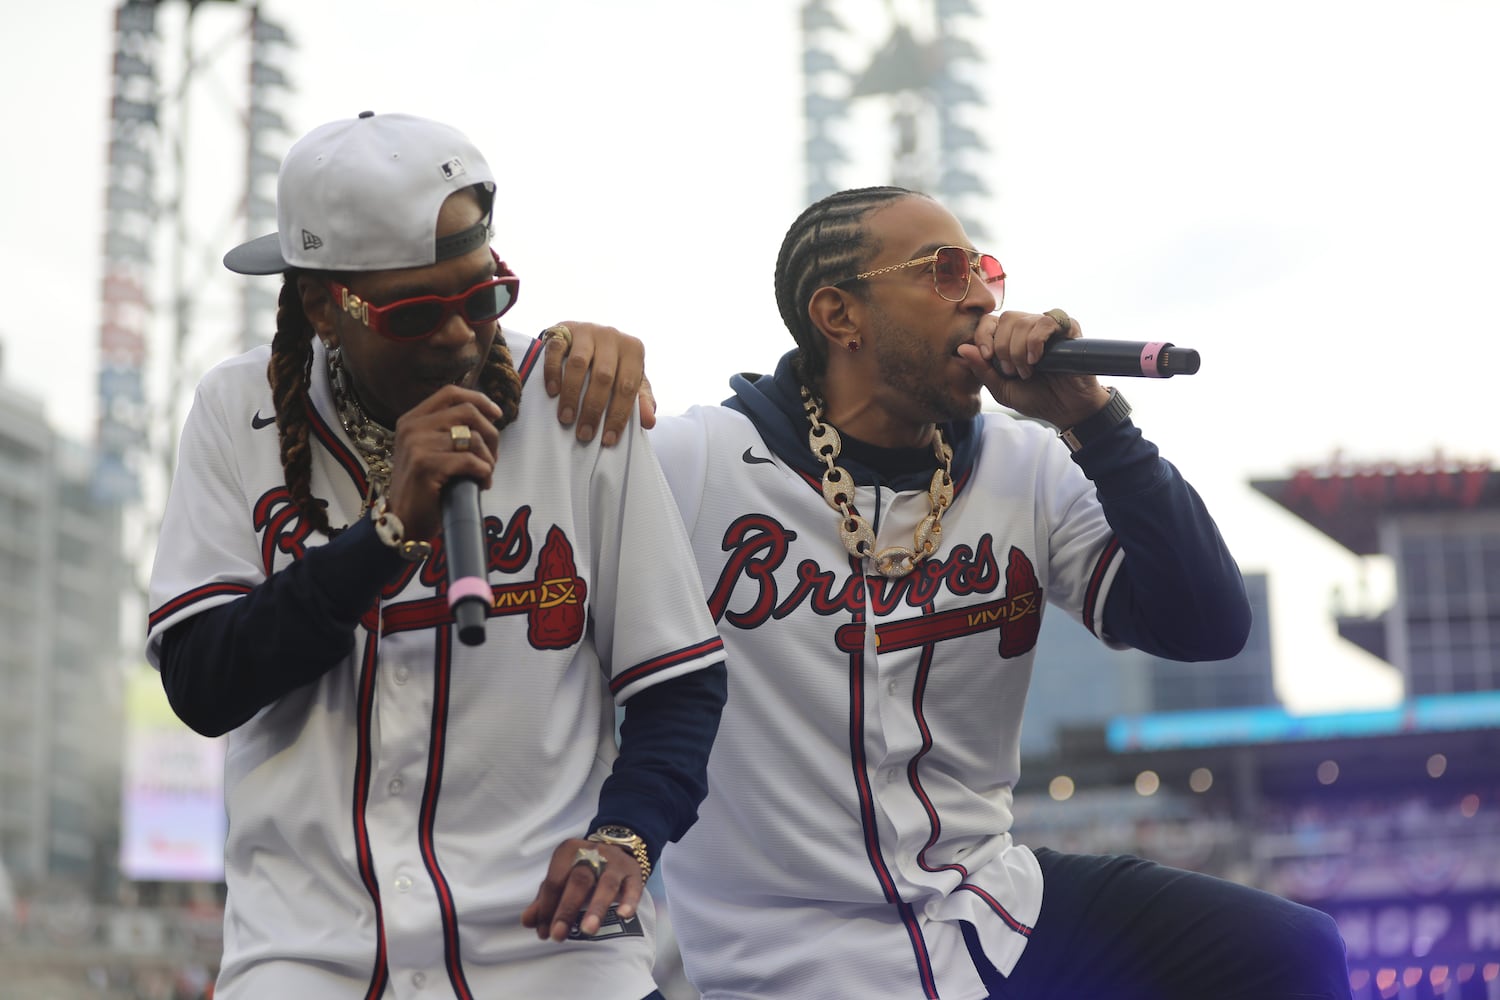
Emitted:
<point x="566" y="416"/>
<point x="609" y="439"/>
<point x="551" y="388"/>
<point x="585" y="434"/>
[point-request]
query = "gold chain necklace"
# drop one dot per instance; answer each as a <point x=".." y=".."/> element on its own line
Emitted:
<point x="373" y="441"/>
<point x="838" y="489"/>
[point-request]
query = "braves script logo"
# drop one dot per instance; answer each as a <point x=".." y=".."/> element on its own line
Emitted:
<point x="758" y="545"/>
<point x="554" y="599"/>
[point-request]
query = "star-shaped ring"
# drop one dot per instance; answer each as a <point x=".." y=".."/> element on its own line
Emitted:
<point x="590" y="856"/>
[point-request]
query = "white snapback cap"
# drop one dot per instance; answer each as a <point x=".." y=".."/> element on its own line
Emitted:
<point x="363" y="194"/>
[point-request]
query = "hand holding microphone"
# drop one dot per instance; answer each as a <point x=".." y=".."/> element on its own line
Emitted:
<point x="1146" y="359"/>
<point x="1135" y="358"/>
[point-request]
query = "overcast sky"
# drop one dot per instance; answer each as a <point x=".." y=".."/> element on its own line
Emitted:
<point x="1302" y="190"/>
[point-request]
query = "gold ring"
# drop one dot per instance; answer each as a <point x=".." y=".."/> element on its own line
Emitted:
<point x="561" y="332"/>
<point x="590" y="856"/>
<point x="461" y="436"/>
<point x="1060" y="318"/>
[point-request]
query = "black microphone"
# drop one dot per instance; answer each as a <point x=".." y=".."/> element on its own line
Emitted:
<point x="469" y="594"/>
<point x="1147" y="359"/>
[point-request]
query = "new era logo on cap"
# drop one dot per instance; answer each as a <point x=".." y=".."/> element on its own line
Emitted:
<point x="310" y="241"/>
<point x="453" y="168"/>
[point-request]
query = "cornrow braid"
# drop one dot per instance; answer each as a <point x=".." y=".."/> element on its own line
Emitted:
<point x="290" y="374"/>
<point x="826" y="244"/>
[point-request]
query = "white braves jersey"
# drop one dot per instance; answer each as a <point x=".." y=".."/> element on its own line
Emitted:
<point x="389" y="822"/>
<point x="860" y="786"/>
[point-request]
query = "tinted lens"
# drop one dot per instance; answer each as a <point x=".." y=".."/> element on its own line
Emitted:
<point x="415" y="321"/>
<point x="484" y="304"/>
<point x="994" y="278"/>
<point x="950" y="272"/>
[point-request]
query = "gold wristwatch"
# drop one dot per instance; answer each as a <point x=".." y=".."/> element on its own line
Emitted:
<point x="624" y="836"/>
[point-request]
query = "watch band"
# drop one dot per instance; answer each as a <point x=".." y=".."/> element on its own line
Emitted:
<point x="392" y="532"/>
<point x="1114" y="413"/>
<point x="624" y="836"/>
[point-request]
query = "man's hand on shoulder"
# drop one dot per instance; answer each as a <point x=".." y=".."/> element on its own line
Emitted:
<point x="613" y="365"/>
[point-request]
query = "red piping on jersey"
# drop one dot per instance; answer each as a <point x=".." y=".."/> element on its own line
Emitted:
<point x="442" y="675"/>
<point x="664" y="662"/>
<point x="529" y="359"/>
<point x="1000" y="911"/>
<point x="342" y="455"/>
<point x="193" y="596"/>
<point x="1096" y="581"/>
<point x="380" y="975"/>
<point x="924" y="670"/>
<point x="919" y="951"/>
<point x="867" y="818"/>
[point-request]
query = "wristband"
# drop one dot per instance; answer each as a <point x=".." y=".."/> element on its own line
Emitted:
<point x="392" y="532"/>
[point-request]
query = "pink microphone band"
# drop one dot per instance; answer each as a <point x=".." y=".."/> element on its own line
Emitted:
<point x="469" y="586"/>
<point x="1150" y="358"/>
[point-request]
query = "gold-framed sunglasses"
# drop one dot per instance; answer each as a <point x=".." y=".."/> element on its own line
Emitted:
<point x="952" y="267"/>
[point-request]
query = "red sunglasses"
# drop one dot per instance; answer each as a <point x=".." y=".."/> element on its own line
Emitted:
<point x="421" y="316"/>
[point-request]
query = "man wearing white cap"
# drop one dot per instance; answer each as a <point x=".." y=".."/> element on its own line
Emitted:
<point x="408" y="815"/>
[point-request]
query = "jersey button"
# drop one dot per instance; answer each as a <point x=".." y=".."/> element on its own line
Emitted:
<point x="891" y="688"/>
<point x="402" y="674"/>
<point x="403" y="883"/>
<point x="419" y="979"/>
<point x="396" y="786"/>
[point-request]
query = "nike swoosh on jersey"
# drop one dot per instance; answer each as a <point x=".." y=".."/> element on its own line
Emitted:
<point x="755" y="459"/>
<point x="258" y="421"/>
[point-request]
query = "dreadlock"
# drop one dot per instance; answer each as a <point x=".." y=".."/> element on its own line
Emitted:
<point x="290" y="374"/>
<point x="826" y="244"/>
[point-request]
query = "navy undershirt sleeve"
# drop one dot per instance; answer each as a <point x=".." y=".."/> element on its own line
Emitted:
<point x="661" y="775"/>
<point x="1178" y="593"/>
<point x="223" y="665"/>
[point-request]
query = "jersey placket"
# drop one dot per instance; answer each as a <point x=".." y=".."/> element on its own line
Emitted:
<point x="401" y="736"/>
<point x="894" y="739"/>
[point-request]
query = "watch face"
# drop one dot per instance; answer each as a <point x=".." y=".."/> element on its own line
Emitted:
<point x="617" y="832"/>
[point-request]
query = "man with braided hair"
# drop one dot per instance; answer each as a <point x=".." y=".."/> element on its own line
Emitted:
<point x="878" y="553"/>
<point x="409" y="815"/>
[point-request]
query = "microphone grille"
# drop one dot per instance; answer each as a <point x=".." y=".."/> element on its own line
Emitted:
<point x="1179" y="361"/>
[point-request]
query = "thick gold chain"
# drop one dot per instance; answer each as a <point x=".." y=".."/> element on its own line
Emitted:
<point x="854" y="530"/>
<point x="373" y="441"/>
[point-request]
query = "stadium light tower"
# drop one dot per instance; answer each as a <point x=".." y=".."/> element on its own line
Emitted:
<point x="924" y="71"/>
<point x="150" y="129"/>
